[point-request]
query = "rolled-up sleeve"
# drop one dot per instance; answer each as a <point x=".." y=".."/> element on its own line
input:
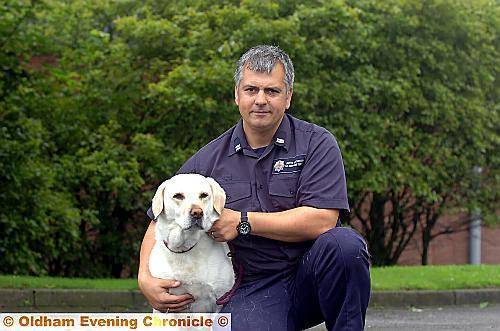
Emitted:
<point x="322" y="183"/>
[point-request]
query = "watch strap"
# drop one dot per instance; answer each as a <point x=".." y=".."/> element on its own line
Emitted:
<point x="244" y="228"/>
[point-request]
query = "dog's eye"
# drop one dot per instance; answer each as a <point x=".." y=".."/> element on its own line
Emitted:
<point x="179" y="196"/>
<point x="203" y="195"/>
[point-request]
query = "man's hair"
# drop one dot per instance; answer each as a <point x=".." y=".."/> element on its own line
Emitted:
<point x="263" y="58"/>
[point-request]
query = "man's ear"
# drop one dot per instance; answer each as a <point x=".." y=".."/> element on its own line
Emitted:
<point x="236" y="101"/>
<point x="158" y="199"/>
<point x="218" y="194"/>
<point x="289" y="98"/>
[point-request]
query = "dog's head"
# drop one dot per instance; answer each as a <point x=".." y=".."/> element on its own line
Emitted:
<point x="190" y="204"/>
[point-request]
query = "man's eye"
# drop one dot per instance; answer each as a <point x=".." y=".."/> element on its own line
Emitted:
<point x="250" y="89"/>
<point x="272" y="92"/>
<point x="203" y="195"/>
<point x="178" y="196"/>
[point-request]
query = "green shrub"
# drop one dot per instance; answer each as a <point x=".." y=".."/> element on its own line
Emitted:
<point x="127" y="91"/>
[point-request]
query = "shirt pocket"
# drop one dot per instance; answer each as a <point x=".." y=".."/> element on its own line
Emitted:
<point x="237" y="194"/>
<point x="283" y="191"/>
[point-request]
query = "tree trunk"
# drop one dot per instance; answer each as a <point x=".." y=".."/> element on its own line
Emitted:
<point x="426" y="241"/>
<point x="376" y="237"/>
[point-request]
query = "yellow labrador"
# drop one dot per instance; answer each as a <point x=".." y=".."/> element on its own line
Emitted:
<point x="185" y="208"/>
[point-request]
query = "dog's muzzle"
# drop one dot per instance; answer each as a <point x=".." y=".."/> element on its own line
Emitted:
<point x="196" y="215"/>
<point x="198" y="223"/>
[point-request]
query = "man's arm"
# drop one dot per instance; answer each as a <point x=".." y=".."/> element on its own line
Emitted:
<point x="294" y="225"/>
<point x="154" y="289"/>
<point x="297" y="224"/>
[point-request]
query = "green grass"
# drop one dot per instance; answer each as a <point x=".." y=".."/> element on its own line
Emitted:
<point x="390" y="278"/>
<point x="443" y="277"/>
<point x="8" y="281"/>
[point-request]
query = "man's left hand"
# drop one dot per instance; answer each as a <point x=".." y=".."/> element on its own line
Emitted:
<point x="224" y="229"/>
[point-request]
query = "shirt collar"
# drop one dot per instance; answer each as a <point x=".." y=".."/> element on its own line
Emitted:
<point x="281" y="137"/>
<point x="238" y="139"/>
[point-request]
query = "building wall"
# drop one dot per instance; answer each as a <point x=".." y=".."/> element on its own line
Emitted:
<point x="454" y="248"/>
<point x="450" y="248"/>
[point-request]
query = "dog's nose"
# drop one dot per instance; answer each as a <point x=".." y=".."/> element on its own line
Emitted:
<point x="196" y="212"/>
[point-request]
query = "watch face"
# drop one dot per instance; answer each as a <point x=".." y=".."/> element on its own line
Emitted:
<point x="244" y="228"/>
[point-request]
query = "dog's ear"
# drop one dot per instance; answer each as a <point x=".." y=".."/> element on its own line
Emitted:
<point x="218" y="194"/>
<point x="158" y="199"/>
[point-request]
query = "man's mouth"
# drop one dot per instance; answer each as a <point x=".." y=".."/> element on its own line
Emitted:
<point x="260" y="112"/>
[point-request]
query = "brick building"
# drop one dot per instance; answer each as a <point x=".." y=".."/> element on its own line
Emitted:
<point x="454" y="248"/>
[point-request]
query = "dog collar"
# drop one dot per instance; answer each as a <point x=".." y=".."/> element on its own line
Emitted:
<point x="179" y="251"/>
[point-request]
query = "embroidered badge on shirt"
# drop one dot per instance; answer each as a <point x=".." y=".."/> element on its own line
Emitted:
<point x="288" y="165"/>
<point x="279" y="165"/>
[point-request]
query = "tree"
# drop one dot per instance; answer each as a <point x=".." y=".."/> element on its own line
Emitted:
<point x="102" y="100"/>
<point x="416" y="105"/>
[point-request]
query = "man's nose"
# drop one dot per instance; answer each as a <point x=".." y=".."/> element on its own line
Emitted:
<point x="196" y="212"/>
<point x="260" y="98"/>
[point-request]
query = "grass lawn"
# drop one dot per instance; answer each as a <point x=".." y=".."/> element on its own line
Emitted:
<point x="389" y="278"/>
<point x="442" y="277"/>
<point x="9" y="281"/>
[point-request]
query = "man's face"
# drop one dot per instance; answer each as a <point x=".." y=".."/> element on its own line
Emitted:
<point x="262" y="99"/>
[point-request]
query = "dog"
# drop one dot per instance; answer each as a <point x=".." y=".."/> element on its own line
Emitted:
<point x="185" y="207"/>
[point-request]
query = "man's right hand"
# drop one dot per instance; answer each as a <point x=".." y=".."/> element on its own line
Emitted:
<point x="156" y="291"/>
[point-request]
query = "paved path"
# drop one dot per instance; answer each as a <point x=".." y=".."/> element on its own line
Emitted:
<point x="471" y="318"/>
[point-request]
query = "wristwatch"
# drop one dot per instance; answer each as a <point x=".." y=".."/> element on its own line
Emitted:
<point x="244" y="227"/>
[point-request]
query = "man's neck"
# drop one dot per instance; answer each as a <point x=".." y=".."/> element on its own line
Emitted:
<point x="256" y="138"/>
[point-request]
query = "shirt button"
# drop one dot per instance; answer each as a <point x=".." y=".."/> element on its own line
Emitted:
<point x="261" y="186"/>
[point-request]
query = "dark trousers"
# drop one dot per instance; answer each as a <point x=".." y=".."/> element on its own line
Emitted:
<point x="331" y="284"/>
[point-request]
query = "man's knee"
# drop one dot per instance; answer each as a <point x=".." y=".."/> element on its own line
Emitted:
<point x="342" y="242"/>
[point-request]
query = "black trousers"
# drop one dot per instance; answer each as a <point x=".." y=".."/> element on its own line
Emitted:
<point x="331" y="284"/>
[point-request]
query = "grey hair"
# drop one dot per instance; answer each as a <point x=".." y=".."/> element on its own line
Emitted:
<point x="263" y="58"/>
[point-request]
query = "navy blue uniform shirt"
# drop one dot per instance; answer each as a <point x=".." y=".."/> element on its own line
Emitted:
<point x="301" y="167"/>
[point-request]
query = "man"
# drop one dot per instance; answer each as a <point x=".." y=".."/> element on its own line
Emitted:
<point x="285" y="185"/>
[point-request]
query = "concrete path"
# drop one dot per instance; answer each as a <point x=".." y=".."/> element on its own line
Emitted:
<point x="471" y="318"/>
